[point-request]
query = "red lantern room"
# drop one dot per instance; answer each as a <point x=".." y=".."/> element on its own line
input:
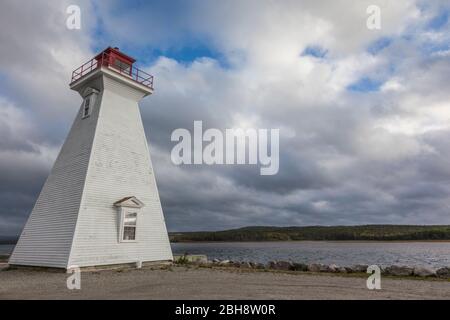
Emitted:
<point x="115" y="60"/>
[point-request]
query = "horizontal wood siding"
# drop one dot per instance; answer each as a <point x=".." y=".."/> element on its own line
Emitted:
<point x="47" y="237"/>
<point x="120" y="166"/>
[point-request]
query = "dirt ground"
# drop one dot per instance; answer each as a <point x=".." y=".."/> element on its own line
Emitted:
<point x="210" y="283"/>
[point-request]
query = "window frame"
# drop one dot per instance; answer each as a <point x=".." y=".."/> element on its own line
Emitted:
<point x="120" y="64"/>
<point x="123" y="212"/>
<point x="87" y="99"/>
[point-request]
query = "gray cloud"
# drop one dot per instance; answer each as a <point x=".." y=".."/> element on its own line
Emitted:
<point x="346" y="157"/>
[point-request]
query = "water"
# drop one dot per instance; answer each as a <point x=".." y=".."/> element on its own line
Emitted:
<point x="431" y="254"/>
<point x="6" y="248"/>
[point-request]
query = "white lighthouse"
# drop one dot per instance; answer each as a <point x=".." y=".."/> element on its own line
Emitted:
<point x="100" y="204"/>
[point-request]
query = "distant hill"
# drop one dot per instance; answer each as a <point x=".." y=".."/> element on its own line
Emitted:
<point x="330" y="233"/>
<point x="364" y="232"/>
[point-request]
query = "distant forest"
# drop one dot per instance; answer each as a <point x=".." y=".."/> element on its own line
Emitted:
<point x="364" y="232"/>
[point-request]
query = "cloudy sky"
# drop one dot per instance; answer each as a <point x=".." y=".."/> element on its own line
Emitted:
<point x="364" y="115"/>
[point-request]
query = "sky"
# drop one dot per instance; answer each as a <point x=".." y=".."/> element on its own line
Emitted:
<point x="363" y="114"/>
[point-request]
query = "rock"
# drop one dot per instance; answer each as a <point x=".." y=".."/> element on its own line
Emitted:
<point x="314" y="267"/>
<point x="360" y="268"/>
<point x="424" y="272"/>
<point x="399" y="271"/>
<point x="349" y="269"/>
<point x="260" y="266"/>
<point x="284" y="265"/>
<point x="299" y="267"/>
<point x="342" y="270"/>
<point x="224" y="262"/>
<point x="318" y="267"/>
<point x="325" y="268"/>
<point x="384" y="270"/>
<point x="215" y="260"/>
<point x="443" y="272"/>
<point x="279" y="265"/>
<point x="333" y="267"/>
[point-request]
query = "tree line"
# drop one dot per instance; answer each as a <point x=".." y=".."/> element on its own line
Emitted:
<point x="330" y="233"/>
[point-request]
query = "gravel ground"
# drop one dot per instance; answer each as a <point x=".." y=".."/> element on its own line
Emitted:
<point x="210" y="283"/>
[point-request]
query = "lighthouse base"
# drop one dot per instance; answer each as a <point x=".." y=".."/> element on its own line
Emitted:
<point x="122" y="266"/>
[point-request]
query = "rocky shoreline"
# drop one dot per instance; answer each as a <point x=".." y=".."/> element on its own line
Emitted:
<point x="394" y="270"/>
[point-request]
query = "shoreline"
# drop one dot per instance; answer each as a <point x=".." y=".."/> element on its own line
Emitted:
<point x="395" y="270"/>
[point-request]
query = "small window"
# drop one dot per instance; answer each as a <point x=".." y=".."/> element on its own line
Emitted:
<point x="87" y="106"/>
<point x="122" y="66"/>
<point x="129" y="226"/>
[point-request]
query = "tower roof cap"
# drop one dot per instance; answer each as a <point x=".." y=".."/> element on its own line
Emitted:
<point x="116" y="52"/>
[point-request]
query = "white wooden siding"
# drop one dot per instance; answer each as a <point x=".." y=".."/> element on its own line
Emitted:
<point x="120" y="166"/>
<point x="105" y="158"/>
<point x="47" y="237"/>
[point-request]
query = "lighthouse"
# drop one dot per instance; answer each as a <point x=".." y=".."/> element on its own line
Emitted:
<point x="100" y="204"/>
